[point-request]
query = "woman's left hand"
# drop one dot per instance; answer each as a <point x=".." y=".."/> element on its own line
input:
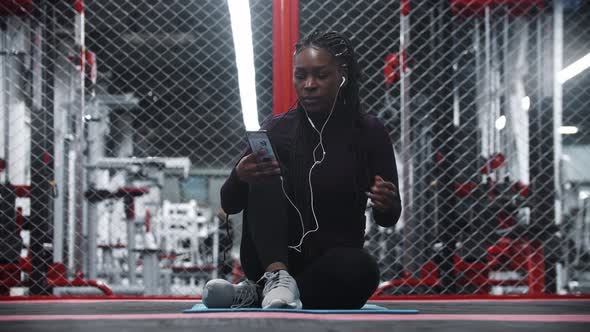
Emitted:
<point x="383" y="194"/>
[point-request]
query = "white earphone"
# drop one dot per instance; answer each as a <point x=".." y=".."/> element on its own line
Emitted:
<point x="315" y="163"/>
<point x="311" y="122"/>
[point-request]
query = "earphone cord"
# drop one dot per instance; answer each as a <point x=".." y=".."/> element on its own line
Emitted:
<point x="316" y="162"/>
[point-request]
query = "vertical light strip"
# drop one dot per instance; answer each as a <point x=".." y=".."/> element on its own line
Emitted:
<point x="239" y="11"/>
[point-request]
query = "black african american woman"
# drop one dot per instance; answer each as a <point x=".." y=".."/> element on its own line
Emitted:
<point x="304" y="222"/>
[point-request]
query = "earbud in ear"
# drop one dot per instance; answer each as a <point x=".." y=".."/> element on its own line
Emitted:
<point x="343" y="81"/>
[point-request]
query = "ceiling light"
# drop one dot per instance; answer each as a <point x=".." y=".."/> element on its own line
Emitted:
<point x="568" y="130"/>
<point x="501" y="122"/>
<point x="525" y="103"/>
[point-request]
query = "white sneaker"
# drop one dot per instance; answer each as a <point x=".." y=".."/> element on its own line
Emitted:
<point x="220" y="293"/>
<point x="280" y="291"/>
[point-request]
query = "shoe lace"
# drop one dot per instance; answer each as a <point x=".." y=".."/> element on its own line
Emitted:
<point x="244" y="296"/>
<point x="275" y="280"/>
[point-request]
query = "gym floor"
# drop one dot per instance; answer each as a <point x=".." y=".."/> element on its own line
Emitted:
<point x="454" y="315"/>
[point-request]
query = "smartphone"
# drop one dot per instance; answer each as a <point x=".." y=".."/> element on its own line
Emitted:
<point x="259" y="140"/>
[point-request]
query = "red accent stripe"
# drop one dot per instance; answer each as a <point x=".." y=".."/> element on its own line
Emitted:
<point x="285" y="34"/>
<point x="481" y="301"/>
<point x="98" y="298"/>
<point x="105" y="300"/>
<point x="46" y="158"/>
<point x="405" y="8"/>
<point x="546" y="297"/>
<point x="283" y="315"/>
<point x="79" y="6"/>
<point x="381" y="298"/>
<point x="24" y="300"/>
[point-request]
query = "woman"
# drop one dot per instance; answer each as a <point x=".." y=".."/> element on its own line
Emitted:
<point x="304" y="221"/>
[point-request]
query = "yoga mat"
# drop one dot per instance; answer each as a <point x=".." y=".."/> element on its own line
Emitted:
<point x="367" y="309"/>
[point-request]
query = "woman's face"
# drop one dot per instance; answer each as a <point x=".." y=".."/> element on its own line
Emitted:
<point x="316" y="78"/>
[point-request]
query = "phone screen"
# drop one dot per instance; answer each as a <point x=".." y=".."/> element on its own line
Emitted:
<point x="259" y="140"/>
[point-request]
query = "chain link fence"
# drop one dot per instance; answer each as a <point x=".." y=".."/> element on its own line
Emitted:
<point x="121" y="120"/>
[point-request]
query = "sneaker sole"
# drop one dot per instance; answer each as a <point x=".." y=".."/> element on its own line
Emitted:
<point x="280" y="304"/>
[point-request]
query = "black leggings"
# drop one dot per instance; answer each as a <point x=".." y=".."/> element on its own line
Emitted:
<point x="337" y="278"/>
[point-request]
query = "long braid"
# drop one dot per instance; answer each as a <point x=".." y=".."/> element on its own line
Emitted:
<point x="298" y="160"/>
<point x="342" y="49"/>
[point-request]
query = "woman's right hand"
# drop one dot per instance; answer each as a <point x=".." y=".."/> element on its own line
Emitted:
<point x="251" y="171"/>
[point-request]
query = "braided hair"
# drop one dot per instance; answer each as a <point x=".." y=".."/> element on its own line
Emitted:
<point x="343" y="52"/>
